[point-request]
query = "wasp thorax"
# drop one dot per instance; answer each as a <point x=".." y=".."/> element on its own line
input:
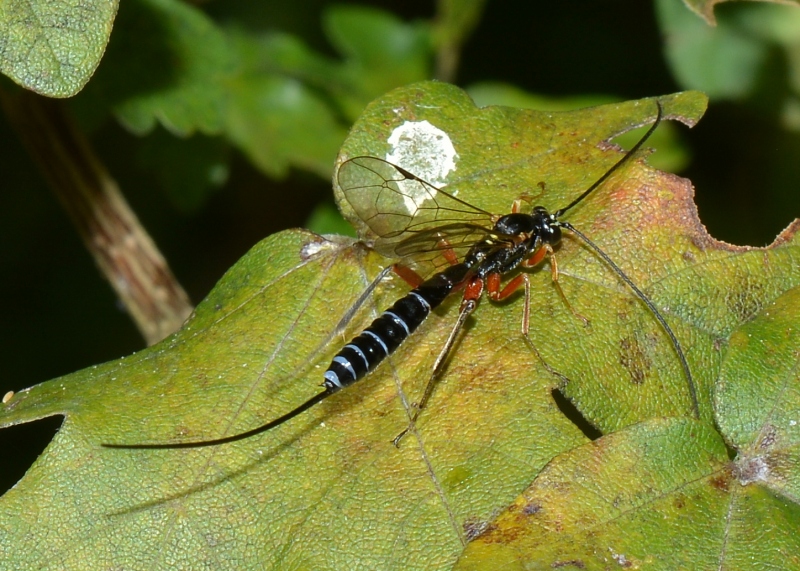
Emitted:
<point x="515" y="224"/>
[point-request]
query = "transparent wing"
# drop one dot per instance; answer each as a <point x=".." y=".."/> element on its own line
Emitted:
<point x="419" y="248"/>
<point x="411" y="218"/>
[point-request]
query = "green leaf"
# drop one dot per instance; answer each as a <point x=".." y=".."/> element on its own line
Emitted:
<point x="327" y="490"/>
<point x="284" y="54"/>
<point x="167" y="63"/>
<point x="664" y="494"/>
<point x="189" y="172"/>
<point x="53" y="47"/>
<point x="276" y="119"/>
<point x="729" y="60"/>
<point x="380" y="53"/>
<point x="326" y="219"/>
<point x="254" y="349"/>
<point x="671" y="154"/>
<point x="705" y="8"/>
<point x="654" y="495"/>
<point x="757" y="397"/>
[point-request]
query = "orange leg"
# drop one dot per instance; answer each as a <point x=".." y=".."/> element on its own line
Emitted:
<point x="448" y="252"/>
<point x="472" y="292"/>
<point x="493" y="286"/>
<point x="412" y="278"/>
<point x="527" y="198"/>
<point x="536" y="258"/>
<point x="408" y="275"/>
<point x="496" y="294"/>
<point x="493" y="280"/>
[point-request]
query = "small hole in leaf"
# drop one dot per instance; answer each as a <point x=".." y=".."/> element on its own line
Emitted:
<point x="574" y="415"/>
<point x="21" y="445"/>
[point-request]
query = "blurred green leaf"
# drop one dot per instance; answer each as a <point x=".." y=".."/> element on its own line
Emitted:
<point x="722" y="61"/>
<point x="731" y="60"/>
<point x="52" y="47"/>
<point x="276" y="119"/>
<point x="705" y="8"/>
<point x="303" y="495"/>
<point x="280" y="110"/>
<point x="380" y="53"/>
<point x="166" y="64"/>
<point x="288" y="55"/>
<point x="189" y="171"/>
<point x="326" y="219"/>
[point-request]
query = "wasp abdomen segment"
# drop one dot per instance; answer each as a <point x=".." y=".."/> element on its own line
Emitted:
<point x="384" y="335"/>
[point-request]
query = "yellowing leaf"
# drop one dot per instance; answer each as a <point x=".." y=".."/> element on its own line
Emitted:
<point x="328" y="490"/>
<point x="757" y="398"/>
<point x="664" y="494"/>
<point x="283" y="500"/>
<point x="654" y="495"/>
<point x="621" y="367"/>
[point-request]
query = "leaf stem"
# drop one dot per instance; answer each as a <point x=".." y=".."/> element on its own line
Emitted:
<point x="121" y="247"/>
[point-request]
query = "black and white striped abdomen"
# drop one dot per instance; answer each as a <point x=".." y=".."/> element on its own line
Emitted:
<point x="387" y="332"/>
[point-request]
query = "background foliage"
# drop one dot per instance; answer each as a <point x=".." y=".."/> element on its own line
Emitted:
<point x="220" y="120"/>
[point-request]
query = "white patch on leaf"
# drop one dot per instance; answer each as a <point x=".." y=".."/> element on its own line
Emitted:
<point x="425" y="151"/>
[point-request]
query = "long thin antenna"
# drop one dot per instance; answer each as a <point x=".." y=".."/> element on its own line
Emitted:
<point x="241" y="436"/>
<point x="618" y="164"/>
<point x="640" y="294"/>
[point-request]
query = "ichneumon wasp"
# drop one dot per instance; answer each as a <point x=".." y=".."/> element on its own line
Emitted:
<point x="436" y="227"/>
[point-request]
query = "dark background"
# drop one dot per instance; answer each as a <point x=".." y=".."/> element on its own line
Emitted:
<point x="59" y="316"/>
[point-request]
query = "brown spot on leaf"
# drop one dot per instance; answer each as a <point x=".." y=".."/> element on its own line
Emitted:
<point x="768" y="438"/>
<point x="721" y="482"/>
<point x="576" y="563"/>
<point x="506" y="536"/>
<point x="700" y="242"/>
<point x="532" y="508"/>
<point x="473" y="527"/>
<point x="634" y="359"/>
<point x="744" y="301"/>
